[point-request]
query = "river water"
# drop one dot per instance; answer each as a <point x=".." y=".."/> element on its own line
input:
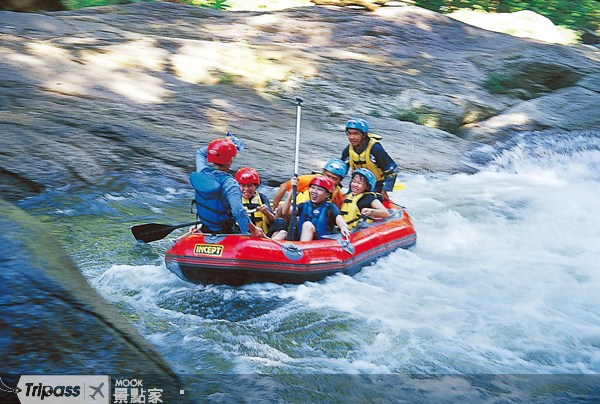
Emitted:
<point x="504" y="280"/>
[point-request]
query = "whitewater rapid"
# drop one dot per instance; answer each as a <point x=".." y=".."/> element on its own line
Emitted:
<point x="503" y="280"/>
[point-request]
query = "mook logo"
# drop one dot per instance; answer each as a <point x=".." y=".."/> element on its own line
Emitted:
<point x="134" y="391"/>
<point x="63" y="389"/>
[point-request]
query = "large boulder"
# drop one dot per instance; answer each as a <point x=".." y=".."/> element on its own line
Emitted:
<point x="53" y="322"/>
<point x="568" y="109"/>
<point x="122" y="89"/>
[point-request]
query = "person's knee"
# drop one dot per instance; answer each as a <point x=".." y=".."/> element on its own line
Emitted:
<point x="308" y="231"/>
<point x="279" y="235"/>
<point x="308" y="226"/>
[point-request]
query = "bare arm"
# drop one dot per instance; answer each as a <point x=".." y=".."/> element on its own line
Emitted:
<point x="286" y="210"/>
<point x="376" y="211"/>
<point x="255" y="231"/>
<point x="341" y="223"/>
<point x="265" y="210"/>
<point x="279" y="195"/>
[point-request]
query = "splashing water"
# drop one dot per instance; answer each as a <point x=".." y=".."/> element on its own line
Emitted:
<point x="503" y="280"/>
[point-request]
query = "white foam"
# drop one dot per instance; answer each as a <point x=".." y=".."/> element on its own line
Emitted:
<point x="504" y="279"/>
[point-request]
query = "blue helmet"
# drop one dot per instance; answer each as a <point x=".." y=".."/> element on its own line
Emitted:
<point x="336" y="166"/>
<point x="358" y="123"/>
<point x="368" y="175"/>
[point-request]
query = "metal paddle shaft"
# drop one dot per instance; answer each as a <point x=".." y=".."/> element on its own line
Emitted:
<point x="299" y="102"/>
<point x="155" y="231"/>
<point x="294" y="220"/>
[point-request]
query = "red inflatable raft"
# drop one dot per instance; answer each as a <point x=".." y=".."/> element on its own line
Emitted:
<point x="236" y="259"/>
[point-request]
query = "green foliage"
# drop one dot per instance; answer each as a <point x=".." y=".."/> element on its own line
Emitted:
<point x="225" y="78"/>
<point x="419" y="115"/>
<point x="498" y="83"/>
<point x="214" y="4"/>
<point x="574" y="14"/>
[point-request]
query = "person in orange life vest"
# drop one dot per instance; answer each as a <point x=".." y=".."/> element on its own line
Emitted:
<point x="335" y="169"/>
<point x="257" y="203"/>
<point x="365" y="151"/>
<point x="361" y="201"/>
<point x="317" y="216"/>
<point x="218" y="197"/>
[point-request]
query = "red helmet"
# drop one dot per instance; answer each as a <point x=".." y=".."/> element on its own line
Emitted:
<point x="247" y="175"/>
<point x="221" y="151"/>
<point x="324" y="182"/>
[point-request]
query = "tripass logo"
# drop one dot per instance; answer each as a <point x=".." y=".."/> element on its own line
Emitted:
<point x="63" y="389"/>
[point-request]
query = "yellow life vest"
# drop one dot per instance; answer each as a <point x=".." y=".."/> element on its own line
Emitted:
<point x="350" y="211"/>
<point x="364" y="159"/>
<point x="302" y="197"/>
<point x="257" y="217"/>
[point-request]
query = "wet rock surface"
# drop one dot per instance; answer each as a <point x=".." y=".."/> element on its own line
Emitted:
<point x="53" y="322"/>
<point x="123" y="88"/>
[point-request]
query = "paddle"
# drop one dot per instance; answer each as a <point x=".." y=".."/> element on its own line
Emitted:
<point x="155" y="231"/>
<point x="293" y="219"/>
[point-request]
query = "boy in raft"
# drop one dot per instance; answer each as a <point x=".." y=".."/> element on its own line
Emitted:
<point x="365" y="151"/>
<point x="317" y="216"/>
<point x="218" y="197"/>
<point x="257" y="203"/>
<point x="361" y="201"/>
<point x="335" y="169"/>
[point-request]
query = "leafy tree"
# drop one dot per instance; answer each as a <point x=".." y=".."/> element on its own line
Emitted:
<point x="569" y="13"/>
<point x="214" y="4"/>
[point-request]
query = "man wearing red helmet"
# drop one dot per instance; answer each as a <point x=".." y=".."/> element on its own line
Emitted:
<point x="218" y="197"/>
<point x="317" y="216"/>
<point x="257" y="203"/>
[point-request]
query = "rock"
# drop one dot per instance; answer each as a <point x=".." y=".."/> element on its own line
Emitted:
<point x="53" y="321"/>
<point x="567" y="108"/>
<point x="524" y="23"/>
<point x="117" y="89"/>
<point x="527" y="79"/>
<point x="590" y="37"/>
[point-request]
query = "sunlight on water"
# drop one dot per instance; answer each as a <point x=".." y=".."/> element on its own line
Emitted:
<point x="503" y="279"/>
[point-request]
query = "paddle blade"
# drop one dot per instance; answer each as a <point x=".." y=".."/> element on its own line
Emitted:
<point x="151" y="231"/>
<point x="399" y="186"/>
<point x="347" y="246"/>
